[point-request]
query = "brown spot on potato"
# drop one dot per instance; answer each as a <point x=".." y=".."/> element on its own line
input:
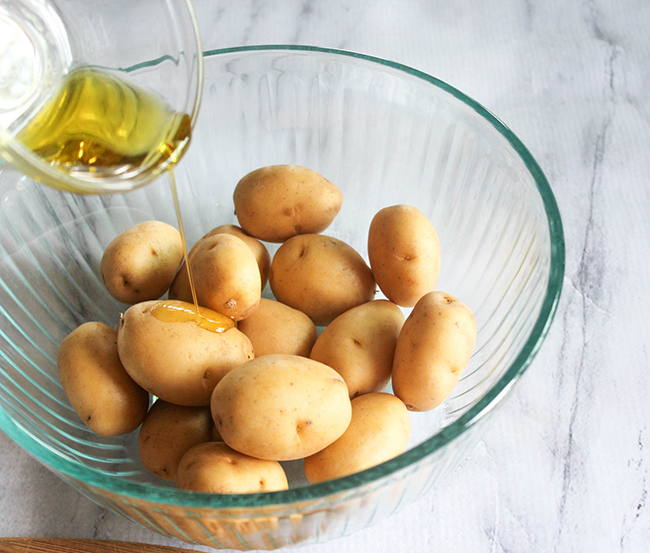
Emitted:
<point x="301" y="425"/>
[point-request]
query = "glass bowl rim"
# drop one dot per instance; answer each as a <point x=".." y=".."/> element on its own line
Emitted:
<point x="494" y="396"/>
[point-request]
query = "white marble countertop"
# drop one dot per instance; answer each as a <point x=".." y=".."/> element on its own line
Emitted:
<point x="572" y="79"/>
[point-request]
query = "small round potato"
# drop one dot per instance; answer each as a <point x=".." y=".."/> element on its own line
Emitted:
<point x="100" y="391"/>
<point x="259" y="250"/>
<point x="215" y="468"/>
<point x="432" y="351"/>
<point x="360" y="344"/>
<point x="226" y="277"/>
<point x="277" y="328"/>
<point x="404" y="252"/>
<point x="181" y="285"/>
<point x="320" y="276"/>
<point x="280" y="201"/>
<point x="281" y="407"/>
<point x="167" y="432"/>
<point x="179" y="362"/>
<point x="379" y="430"/>
<point x="140" y="264"/>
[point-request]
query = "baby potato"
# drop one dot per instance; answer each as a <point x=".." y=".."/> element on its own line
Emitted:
<point x="281" y="407"/>
<point x="404" y="253"/>
<point x="360" y="344"/>
<point x="180" y="362"/>
<point x="320" y="276"/>
<point x="277" y="328"/>
<point x="100" y="391"/>
<point x="167" y="432"/>
<point x="181" y="285"/>
<point x="280" y="201"/>
<point x="379" y="430"/>
<point x="226" y="277"/>
<point x="259" y="250"/>
<point x="432" y="350"/>
<point x="213" y="467"/>
<point x="140" y="264"/>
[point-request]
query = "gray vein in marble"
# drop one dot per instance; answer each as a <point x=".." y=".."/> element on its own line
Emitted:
<point x="529" y="15"/>
<point x="641" y="503"/>
<point x="590" y="269"/>
<point x="256" y="13"/>
<point x="305" y="15"/>
<point x="597" y="27"/>
<point x="577" y="288"/>
<point x="97" y="527"/>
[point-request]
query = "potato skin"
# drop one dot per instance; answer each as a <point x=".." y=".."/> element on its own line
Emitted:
<point x="433" y="350"/>
<point x="379" y="430"/>
<point x="213" y="467"/>
<point x="181" y="286"/>
<point x="280" y="201"/>
<point x="259" y="250"/>
<point x="167" y="432"/>
<point x="178" y="361"/>
<point x="360" y="345"/>
<point x="320" y="276"/>
<point x="140" y="263"/>
<point x="277" y="328"/>
<point x="100" y="391"/>
<point x="404" y="253"/>
<point x="281" y="407"/>
<point x="226" y="277"/>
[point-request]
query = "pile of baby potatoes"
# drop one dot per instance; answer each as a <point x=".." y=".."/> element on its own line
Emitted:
<point x="249" y="382"/>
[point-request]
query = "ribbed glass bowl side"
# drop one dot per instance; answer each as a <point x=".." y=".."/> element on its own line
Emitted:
<point x="385" y="135"/>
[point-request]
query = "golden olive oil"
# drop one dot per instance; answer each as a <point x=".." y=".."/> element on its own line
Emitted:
<point x="173" y="311"/>
<point x="104" y="126"/>
<point x="172" y="182"/>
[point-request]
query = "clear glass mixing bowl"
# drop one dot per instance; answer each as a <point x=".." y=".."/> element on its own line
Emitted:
<point x="385" y="134"/>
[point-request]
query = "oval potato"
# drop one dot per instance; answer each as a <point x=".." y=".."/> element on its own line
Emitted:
<point x="360" y="345"/>
<point x="404" y="253"/>
<point x="181" y="285"/>
<point x="213" y="467"/>
<point x="277" y="328"/>
<point x="281" y="407"/>
<point x="98" y="387"/>
<point x="141" y="263"/>
<point x="320" y="276"/>
<point x="433" y="350"/>
<point x="167" y="432"/>
<point x="226" y="277"/>
<point x="280" y="201"/>
<point x="379" y="430"/>
<point x="179" y="362"/>
<point x="259" y="250"/>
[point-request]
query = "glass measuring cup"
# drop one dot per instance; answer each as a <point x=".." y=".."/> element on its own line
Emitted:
<point x="48" y="47"/>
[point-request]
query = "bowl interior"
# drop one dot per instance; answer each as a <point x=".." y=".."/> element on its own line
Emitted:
<point x="384" y="135"/>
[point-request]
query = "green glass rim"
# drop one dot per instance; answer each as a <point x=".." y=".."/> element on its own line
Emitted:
<point x="171" y="496"/>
